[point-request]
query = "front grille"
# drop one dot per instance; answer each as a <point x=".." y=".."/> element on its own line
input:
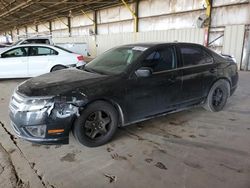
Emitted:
<point x="16" y="102"/>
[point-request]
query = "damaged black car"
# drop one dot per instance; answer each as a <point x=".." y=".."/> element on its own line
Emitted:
<point x="126" y="84"/>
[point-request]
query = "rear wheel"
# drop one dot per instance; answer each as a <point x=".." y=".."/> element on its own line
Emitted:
<point x="97" y="124"/>
<point x="217" y="96"/>
<point x="57" y="67"/>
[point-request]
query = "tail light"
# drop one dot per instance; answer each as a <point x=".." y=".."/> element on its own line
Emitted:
<point x="80" y="58"/>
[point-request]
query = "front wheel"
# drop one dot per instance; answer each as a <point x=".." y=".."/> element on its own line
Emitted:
<point x="217" y="96"/>
<point x="96" y="125"/>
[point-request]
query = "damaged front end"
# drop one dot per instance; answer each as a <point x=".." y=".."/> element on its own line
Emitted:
<point x="46" y="120"/>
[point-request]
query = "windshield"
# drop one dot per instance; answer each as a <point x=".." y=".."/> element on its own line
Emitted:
<point x="114" y="61"/>
<point x="14" y="44"/>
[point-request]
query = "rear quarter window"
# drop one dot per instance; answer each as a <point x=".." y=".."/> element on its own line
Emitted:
<point x="41" y="51"/>
<point x="192" y="55"/>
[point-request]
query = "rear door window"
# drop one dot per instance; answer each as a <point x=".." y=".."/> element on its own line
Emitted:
<point x="41" y="51"/>
<point x="192" y="55"/>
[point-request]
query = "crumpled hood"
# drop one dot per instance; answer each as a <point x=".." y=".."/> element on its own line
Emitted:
<point x="58" y="82"/>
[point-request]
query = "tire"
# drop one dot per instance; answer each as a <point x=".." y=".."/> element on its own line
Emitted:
<point x="96" y="125"/>
<point x="57" y="67"/>
<point x="217" y="96"/>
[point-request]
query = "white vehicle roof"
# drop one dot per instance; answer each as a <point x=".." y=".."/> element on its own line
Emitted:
<point x="40" y="45"/>
<point x="35" y="37"/>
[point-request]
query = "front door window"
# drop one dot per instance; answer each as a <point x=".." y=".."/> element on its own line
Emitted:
<point x="17" y="52"/>
<point x="161" y="60"/>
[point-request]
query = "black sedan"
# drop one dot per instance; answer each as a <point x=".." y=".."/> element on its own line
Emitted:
<point x="127" y="84"/>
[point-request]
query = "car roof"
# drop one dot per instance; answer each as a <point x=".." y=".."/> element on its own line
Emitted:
<point x="36" y="37"/>
<point x="30" y="45"/>
<point x="37" y="44"/>
<point x="154" y="44"/>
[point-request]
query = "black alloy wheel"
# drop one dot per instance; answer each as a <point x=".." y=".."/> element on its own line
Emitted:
<point x="217" y="96"/>
<point x="96" y="125"/>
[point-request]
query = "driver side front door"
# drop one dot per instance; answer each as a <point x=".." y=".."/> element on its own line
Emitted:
<point x="157" y="93"/>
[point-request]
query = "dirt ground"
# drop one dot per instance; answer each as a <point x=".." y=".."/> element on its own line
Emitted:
<point x="189" y="149"/>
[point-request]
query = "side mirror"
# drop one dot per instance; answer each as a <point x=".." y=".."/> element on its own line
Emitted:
<point x="143" y="72"/>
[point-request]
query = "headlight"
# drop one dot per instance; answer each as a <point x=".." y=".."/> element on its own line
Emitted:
<point x="37" y="131"/>
<point x="36" y="104"/>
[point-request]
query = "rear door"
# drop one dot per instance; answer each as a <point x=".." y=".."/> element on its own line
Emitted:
<point x="41" y="60"/>
<point x="199" y="71"/>
<point x="14" y="63"/>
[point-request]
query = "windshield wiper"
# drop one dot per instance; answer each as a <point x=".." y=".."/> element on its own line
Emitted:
<point x="87" y="70"/>
<point x="90" y="70"/>
<point x="94" y="71"/>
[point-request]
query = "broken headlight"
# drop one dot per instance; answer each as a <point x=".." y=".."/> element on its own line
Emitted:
<point x="37" y="131"/>
<point x="36" y="104"/>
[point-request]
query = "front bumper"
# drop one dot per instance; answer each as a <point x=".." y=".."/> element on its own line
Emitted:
<point x="62" y="140"/>
<point x="49" y="118"/>
<point x="48" y="139"/>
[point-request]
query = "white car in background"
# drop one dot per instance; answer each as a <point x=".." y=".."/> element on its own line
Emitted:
<point x="30" y="40"/>
<point x="79" y="48"/>
<point x="36" y="59"/>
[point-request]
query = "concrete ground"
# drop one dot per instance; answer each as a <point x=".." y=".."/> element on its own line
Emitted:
<point x="192" y="149"/>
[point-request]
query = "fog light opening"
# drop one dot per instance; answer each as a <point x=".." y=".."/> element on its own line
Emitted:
<point x="37" y="131"/>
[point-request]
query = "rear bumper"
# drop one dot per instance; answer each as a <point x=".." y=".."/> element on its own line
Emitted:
<point x="234" y="82"/>
<point x="233" y="89"/>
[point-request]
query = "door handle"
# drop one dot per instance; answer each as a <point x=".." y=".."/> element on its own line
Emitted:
<point x="172" y="79"/>
<point x="212" y="70"/>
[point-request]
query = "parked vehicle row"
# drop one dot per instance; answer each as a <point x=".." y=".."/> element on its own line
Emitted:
<point x="36" y="59"/>
<point x="79" y="48"/>
<point x="124" y="85"/>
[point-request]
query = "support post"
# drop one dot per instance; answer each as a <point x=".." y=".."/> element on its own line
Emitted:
<point x="69" y="26"/>
<point x="134" y="14"/>
<point x="26" y="31"/>
<point x="137" y="15"/>
<point x="94" y="20"/>
<point x="208" y="13"/>
<point x="95" y="23"/>
<point x="11" y="34"/>
<point x="50" y="27"/>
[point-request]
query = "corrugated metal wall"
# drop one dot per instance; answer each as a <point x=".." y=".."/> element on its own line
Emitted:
<point x="233" y="41"/>
<point x="101" y="43"/>
<point x="89" y="40"/>
<point x="161" y="20"/>
<point x="106" y="42"/>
